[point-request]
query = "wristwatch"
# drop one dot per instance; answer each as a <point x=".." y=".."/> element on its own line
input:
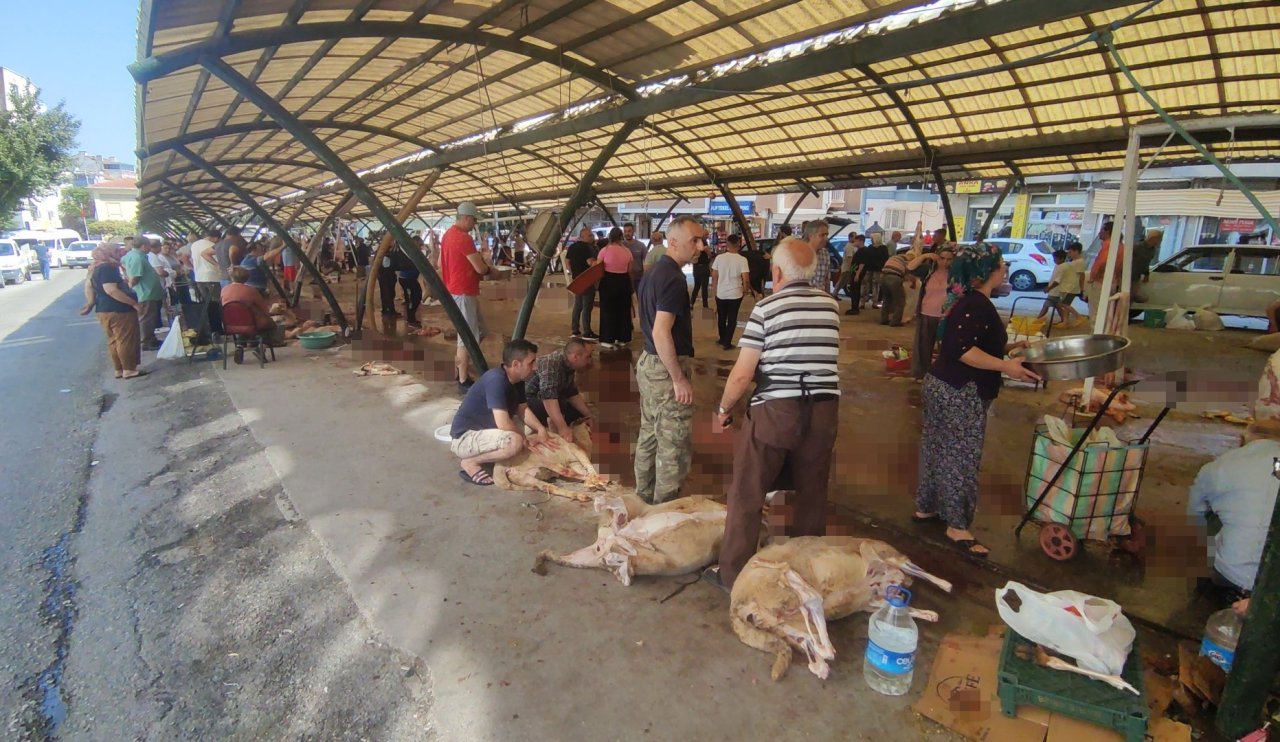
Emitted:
<point x="720" y="410"/>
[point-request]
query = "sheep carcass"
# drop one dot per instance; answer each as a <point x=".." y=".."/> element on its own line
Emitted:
<point x="786" y="593"/>
<point x="532" y="468"/>
<point x="634" y="538"/>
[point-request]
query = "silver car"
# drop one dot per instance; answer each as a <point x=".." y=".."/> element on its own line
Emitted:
<point x="1238" y="280"/>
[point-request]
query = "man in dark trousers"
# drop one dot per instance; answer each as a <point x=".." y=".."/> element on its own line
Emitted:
<point x="407" y="274"/>
<point x="387" y="281"/>
<point x="581" y="256"/>
<point x="791" y="419"/>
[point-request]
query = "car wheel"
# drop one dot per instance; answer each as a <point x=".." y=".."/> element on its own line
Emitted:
<point x="1023" y="281"/>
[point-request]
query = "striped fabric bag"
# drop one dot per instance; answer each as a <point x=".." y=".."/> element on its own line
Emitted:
<point x="1095" y="494"/>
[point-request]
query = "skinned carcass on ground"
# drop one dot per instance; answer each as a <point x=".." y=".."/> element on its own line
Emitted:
<point x="787" y="592"/>
<point x="676" y="537"/>
<point x="535" y="466"/>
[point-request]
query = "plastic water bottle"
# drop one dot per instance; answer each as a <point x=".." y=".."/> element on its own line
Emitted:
<point x="1221" y="634"/>
<point x="891" y="645"/>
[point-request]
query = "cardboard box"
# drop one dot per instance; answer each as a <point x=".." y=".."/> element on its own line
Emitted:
<point x="961" y="695"/>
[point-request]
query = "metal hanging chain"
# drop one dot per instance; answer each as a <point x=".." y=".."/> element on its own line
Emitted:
<point x="484" y="88"/>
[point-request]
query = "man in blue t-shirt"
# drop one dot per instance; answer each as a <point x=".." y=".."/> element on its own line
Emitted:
<point x="487" y="427"/>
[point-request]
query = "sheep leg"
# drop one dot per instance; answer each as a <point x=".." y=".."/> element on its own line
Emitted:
<point x="520" y="479"/>
<point x="584" y="558"/>
<point x="764" y="641"/>
<point x="914" y="570"/>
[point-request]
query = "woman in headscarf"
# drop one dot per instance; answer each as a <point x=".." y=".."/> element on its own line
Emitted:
<point x="107" y="293"/>
<point x="615" y="293"/>
<point x="959" y="388"/>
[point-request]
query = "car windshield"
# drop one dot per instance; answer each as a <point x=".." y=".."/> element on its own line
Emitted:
<point x="82" y="246"/>
<point x="6" y="248"/>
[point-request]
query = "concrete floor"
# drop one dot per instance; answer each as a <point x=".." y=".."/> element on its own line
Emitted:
<point x="441" y="569"/>
<point x="875" y="476"/>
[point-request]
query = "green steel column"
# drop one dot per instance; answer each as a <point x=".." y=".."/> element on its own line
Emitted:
<point x="807" y="192"/>
<point x="667" y="215"/>
<point x="991" y="215"/>
<point x="290" y="123"/>
<point x="270" y="221"/>
<point x="743" y="225"/>
<point x="581" y="195"/>
<point x="1258" y="653"/>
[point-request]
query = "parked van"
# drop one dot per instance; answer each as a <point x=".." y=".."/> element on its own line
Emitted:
<point x="14" y="261"/>
<point x="55" y="240"/>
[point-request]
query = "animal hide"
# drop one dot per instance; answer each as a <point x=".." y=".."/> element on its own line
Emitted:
<point x="534" y="468"/>
<point x="634" y="538"/>
<point x="786" y="593"/>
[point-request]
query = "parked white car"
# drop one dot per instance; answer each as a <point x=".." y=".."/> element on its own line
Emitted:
<point x="1030" y="261"/>
<point x="1232" y="279"/>
<point x="79" y="254"/>
<point x="14" y="262"/>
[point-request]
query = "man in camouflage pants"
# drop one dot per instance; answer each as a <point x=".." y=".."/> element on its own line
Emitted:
<point x="664" y="448"/>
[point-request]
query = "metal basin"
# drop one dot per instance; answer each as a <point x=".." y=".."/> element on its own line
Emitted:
<point x="1075" y="357"/>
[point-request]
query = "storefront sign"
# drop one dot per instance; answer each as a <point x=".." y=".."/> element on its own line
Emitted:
<point x="1021" y="209"/>
<point x="968" y="186"/>
<point x="720" y="207"/>
<point x="1243" y="226"/>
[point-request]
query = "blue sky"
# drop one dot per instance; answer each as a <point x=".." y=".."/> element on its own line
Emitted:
<point x="76" y="51"/>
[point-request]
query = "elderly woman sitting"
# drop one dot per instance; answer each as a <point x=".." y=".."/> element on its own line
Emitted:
<point x="958" y="389"/>
<point x="240" y="291"/>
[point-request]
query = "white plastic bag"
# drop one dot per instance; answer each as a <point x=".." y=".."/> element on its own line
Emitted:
<point x="1177" y="319"/>
<point x="1092" y="631"/>
<point x="1207" y="319"/>
<point x="171" y="349"/>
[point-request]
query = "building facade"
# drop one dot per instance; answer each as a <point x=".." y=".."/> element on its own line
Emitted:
<point x="115" y="199"/>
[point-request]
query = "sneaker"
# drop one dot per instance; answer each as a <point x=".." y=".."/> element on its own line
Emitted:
<point x="852" y="311"/>
<point x="589" y="335"/>
<point x="238" y="357"/>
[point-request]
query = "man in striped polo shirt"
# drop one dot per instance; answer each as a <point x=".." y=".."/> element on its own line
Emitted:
<point x="790" y="349"/>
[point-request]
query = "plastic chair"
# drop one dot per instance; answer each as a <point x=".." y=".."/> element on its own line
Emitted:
<point x="240" y="326"/>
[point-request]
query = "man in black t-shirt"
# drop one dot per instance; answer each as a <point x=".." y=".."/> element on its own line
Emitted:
<point x="581" y="255"/>
<point x="664" y="448"/>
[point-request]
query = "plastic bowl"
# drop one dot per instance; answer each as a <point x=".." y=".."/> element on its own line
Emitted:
<point x="317" y="340"/>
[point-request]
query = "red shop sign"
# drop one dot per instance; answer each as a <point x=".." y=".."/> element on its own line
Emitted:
<point x="1243" y="226"/>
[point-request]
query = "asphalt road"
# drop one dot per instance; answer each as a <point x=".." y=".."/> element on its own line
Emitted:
<point x="51" y="363"/>
<point x="154" y="580"/>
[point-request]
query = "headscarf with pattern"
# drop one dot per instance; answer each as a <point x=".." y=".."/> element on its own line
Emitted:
<point x="971" y="267"/>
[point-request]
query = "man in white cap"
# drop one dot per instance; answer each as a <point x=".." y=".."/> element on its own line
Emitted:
<point x="461" y="267"/>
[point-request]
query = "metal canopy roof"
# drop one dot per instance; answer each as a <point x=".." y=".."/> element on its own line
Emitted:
<point x="515" y="99"/>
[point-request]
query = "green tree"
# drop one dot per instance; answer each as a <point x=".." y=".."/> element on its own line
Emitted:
<point x="75" y="207"/>
<point x="35" y="148"/>
<point x="115" y="227"/>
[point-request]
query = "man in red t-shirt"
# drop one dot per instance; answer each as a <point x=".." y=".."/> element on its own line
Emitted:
<point x="461" y="267"/>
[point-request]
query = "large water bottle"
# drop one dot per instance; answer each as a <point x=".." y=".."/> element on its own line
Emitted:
<point x="1221" y="634"/>
<point x="891" y="645"/>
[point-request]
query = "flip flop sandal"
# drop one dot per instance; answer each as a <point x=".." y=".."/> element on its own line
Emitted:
<point x="479" y="479"/>
<point x="967" y="545"/>
<point x="925" y="518"/>
<point x="140" y="373"/>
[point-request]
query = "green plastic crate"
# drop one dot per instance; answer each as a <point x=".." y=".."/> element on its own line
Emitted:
<point x="1023" y="682"/>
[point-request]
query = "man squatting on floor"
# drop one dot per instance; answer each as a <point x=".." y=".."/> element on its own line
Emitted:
<point x="486" y="428"/>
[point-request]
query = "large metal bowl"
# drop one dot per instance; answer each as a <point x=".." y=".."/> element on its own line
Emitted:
<point x="1075" y="357"/>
